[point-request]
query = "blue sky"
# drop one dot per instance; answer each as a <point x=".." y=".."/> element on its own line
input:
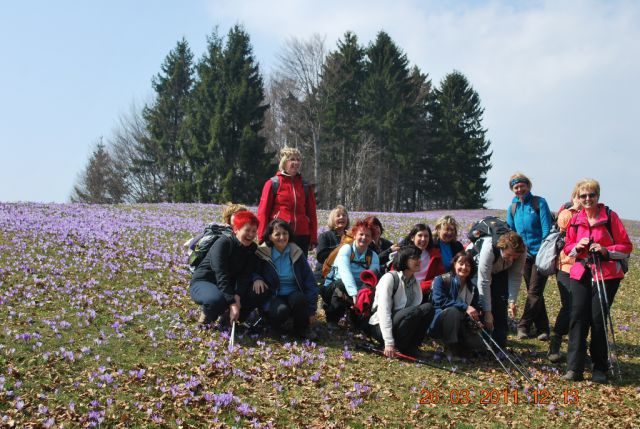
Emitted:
<point x="558" y="80"/>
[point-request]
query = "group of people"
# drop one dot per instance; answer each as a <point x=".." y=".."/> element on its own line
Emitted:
<point x="426" y="284"/>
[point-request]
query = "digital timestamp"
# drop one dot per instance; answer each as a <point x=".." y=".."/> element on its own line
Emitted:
<point x="498" y="396"/>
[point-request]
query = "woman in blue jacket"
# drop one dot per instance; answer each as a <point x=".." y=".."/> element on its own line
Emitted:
<point x="456" y="300"/>
<point x="530" y="217"/>
<point x="283" y="272"/>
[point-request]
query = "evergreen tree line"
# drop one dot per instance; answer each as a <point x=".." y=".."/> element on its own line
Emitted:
<point x="375" y="133"/>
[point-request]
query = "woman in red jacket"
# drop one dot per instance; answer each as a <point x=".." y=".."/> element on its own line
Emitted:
<point x="596" y="231"/>
<point x="431" y="259"/>
<point x="293" y="201"/>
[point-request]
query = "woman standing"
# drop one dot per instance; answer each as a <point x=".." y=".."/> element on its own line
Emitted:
<point x="446" y="238"/>
<point x="286" y="196"/>
<point x="595" y="233"/>
<point x="284" y="273"/>
<point x="455" y="299"/>
<point x="399" y="318"/>
<point x="223" y="279"/>
<point x="530" y="217"/>
<point x="565" y="262"/>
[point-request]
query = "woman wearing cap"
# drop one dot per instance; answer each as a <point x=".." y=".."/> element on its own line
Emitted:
<point x="599" y="241"/>
<point x="223" y="278"/>
<point x="530" y="217"/>
<point x="293" y="201"/>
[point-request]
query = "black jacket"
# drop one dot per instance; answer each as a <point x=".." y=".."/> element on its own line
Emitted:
<point x="229" y="266"/>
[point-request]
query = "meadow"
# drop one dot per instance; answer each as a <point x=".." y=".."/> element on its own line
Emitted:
<point x="98" y="330"/>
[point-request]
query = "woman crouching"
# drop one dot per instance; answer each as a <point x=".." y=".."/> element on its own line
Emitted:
<point x="399" y="318"/>
<point x="456" y="301"/>
<point x="283" y="272"/>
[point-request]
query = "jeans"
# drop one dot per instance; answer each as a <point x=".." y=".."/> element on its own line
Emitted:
<point x="214" y="303"/>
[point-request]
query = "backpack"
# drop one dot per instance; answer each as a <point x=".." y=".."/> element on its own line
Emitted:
<point x="548" y="252"/>
<point x="327" y="265"/>
<point x="275" y="184"/>
<point x="365" y="296"/>
<point x="535" y="203"/>
<point x="200" y="244"/>
<point x="489" y="226"/>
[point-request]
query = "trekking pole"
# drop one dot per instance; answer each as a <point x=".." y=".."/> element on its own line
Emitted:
<point x="233" y="335"/>
<point x="495" y="355"/>
<point x="504" y="352"/>
<point x="612" y="349"/>
<point x="373" y="349"/>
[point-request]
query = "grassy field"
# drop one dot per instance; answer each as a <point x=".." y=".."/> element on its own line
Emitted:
<point x="98" y="330"/>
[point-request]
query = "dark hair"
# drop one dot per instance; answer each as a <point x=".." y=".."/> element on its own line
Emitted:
<point x="374" y="221"/>
<point x="468" y="258"/>
<point x="276" y="223"/>
<point x="416" y="229"/>
<point x="401" y="260"/>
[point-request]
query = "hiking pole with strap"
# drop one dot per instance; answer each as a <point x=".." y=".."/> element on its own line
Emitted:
<point x="373" y="349"/>
<point x="504" y="352"/>
<point x="493" y="352"/>
<point x="598" y="276"/>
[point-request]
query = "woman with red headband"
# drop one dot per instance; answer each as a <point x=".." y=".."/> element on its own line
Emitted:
<point x="223" y="278"/>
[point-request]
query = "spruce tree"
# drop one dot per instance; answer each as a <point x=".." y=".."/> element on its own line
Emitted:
<point x="165" y="118"/>
<point x="100" y="182"/>
<point x="463" y="156"/>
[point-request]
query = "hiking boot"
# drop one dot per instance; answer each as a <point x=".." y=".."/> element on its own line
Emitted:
<point x="599" y="377"/>
<point x="573" y="376"/>
<point x="522" y="334"/>
<point x="203" y="319"/>
<point x="554" y="349"/>
<point x="543" y="337"/>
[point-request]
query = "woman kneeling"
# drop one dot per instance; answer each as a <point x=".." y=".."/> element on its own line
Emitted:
<point x="284" y="272"/>
<point x="399" y="318"/>
<point x="456" y="302"/>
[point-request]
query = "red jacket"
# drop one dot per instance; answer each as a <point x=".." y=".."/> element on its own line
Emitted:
<point x="434" y="269"/>
<point x="619" y="246"/>
<point x="291" y="205"/>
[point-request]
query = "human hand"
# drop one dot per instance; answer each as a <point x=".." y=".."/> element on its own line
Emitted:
<point x="259" y="286"/>
<point x="488" y="320"/>
<point x="598" y="248"/>
<point x="389" y="351"/>
<point x="234" y="312"/>
<point x="584" y="242"/>
<point x="472" y="312"/>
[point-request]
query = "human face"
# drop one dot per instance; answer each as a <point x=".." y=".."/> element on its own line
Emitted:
<point x="588" y="198"/>
<point x="510" y="255"/>
<point x="521" y="189"/>
<point x="362" y="239"/>
<point x="421" y="239"/>
<point x="447" y="233"/>
<point x="341" y="219"/>
<point x="462" y="268"/>
<point x="292" y="165"/>
<point x="280" y="238"/>
<point x="413" y="265"/>
<point x="375" y="233"/>
<point x="246" y="234"/>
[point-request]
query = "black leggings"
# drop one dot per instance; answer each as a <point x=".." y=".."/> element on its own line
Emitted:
<point x="409" y="327"/>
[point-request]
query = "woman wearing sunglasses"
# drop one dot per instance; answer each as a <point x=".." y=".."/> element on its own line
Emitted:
<point x="598" y="240"/>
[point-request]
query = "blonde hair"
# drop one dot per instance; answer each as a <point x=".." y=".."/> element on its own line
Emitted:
<point x="518" y="177"/>
<point x="447" y="220"/>
<point x="230" y="209"/>
<point x="588" y="184"/>
<point x="331" y="222"/>
<point x="286" y="153"/>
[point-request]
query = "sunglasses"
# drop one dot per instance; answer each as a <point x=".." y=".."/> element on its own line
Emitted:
<point x="590" y="195"/>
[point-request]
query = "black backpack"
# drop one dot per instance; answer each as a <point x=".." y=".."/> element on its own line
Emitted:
<point x="489" y="226"/>
<point x="200" y="244"/>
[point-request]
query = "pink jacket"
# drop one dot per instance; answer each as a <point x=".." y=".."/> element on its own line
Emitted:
<point x="619" y="246"/>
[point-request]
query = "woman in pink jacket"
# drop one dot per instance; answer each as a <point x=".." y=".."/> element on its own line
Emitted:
<point x="593" y="231"/>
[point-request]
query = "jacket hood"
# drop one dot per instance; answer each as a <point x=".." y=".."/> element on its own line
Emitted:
<point x="264" y="252"/>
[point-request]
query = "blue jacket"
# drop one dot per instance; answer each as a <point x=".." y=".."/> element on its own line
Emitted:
<point x="444" y="298"/>
<point x="531" y="226"/>
<point x="266" y="271"/>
